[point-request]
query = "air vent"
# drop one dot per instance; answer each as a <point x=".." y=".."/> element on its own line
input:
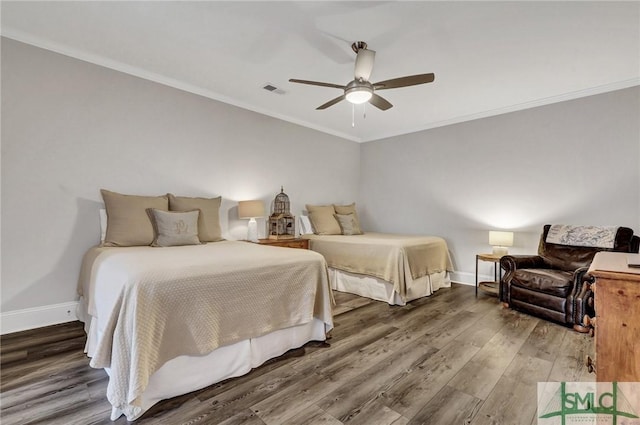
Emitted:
<point x="270" y="87"/>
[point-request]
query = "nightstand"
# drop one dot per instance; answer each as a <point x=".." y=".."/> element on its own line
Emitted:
<point x="286" y="243"/>
<point x="490" y="287"/>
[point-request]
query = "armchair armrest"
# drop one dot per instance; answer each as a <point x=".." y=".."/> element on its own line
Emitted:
<point x="580" y="276"/>
<point x="583" y="300"/>
<point x="510" y="263"/>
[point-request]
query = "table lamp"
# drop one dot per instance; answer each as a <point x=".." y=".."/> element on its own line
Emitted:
<point x="251" y="210"/>
<point x="500" y="241"/>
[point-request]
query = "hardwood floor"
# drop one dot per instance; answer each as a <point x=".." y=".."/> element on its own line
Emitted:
<point x="450" y="358"/>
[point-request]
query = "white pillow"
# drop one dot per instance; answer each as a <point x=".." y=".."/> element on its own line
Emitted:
<point x="305" y="225"/>
<point x="103" y="224"/>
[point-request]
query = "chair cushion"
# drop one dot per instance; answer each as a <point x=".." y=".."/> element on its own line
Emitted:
<point x="553" y="282"/>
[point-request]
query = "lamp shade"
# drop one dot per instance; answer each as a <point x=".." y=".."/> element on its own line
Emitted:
<point x="250" y="209"/>
<point x="500" y="238"/>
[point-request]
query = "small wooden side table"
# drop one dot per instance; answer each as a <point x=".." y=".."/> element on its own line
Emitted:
<point x="490" y="287"/>
<point x="286" y="243"/>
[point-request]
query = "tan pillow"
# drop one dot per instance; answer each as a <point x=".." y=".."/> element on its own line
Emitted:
<point x="128" y="223"/>
<point x="350" y="209"/>
<point x="174" y="228"/>
<point x="348" y="224"/>
<point x="322" y="220"/>
<point x="209" y="220"/>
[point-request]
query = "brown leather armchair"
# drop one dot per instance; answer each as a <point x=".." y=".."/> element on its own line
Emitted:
<point x="551" y="284"/>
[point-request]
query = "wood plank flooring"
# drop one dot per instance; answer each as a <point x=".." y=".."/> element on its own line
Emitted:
<point x="450" y="358"/>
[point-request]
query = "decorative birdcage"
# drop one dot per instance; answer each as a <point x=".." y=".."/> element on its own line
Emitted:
<point x="282" y="225"/>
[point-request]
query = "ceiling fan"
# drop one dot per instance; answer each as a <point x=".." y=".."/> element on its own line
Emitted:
<point x="360" y="90"/>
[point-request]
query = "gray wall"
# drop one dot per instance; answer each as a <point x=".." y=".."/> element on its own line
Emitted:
<point x="70" y="128"/>
<point x="575" y="162"/>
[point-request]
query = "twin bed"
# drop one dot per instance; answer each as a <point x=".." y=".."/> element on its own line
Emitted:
<point x="385" y="267"/>
<point x="156" y="318"/>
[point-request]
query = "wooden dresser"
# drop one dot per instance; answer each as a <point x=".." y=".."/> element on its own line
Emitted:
<point x="617" y="306"/>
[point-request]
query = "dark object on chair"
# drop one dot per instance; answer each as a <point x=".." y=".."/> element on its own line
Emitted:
<point x="551" y="284"/>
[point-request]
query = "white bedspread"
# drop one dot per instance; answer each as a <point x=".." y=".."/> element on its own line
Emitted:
<point x="154" y="304"/>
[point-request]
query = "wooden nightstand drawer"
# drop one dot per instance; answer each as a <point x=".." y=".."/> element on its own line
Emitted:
<point x="286" y="243"/>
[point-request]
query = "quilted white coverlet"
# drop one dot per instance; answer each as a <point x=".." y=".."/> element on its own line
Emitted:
<point x="154" y="304"/>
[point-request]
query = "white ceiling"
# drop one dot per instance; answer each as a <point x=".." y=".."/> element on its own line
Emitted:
<point x="488" y="57"/>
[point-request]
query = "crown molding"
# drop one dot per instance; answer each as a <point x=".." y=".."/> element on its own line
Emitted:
<point x="180" y="85"/>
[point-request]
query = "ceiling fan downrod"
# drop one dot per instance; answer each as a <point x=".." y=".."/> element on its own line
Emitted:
<point x="358" y="45"/>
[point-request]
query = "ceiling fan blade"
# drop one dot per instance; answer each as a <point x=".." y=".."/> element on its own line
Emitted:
<point x="410" y="80"/>
<point x="364" y="64"/>
<point x="331" y="102"/>
<point x="316" y="83"/>
<point x="380" y="102"/>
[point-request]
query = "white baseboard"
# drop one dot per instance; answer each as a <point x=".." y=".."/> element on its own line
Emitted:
<point x="463" y="278"/>
<point x="37" y="317"/>
<point x="467" y="278"/>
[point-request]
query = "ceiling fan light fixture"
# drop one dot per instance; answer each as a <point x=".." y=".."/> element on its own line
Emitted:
<point x="358" y="95"/>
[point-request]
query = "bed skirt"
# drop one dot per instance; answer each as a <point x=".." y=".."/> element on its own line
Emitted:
<point x="381" y="290"/>
<point x="184" y="374"/>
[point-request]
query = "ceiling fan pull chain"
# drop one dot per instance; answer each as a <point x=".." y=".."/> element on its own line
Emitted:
<point x="353" y="115"/>
<point x="364" y="111"/>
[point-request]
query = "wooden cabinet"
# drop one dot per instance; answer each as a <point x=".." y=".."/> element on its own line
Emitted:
<point x="617" y="306"/>
<point x="286" y="243"/>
